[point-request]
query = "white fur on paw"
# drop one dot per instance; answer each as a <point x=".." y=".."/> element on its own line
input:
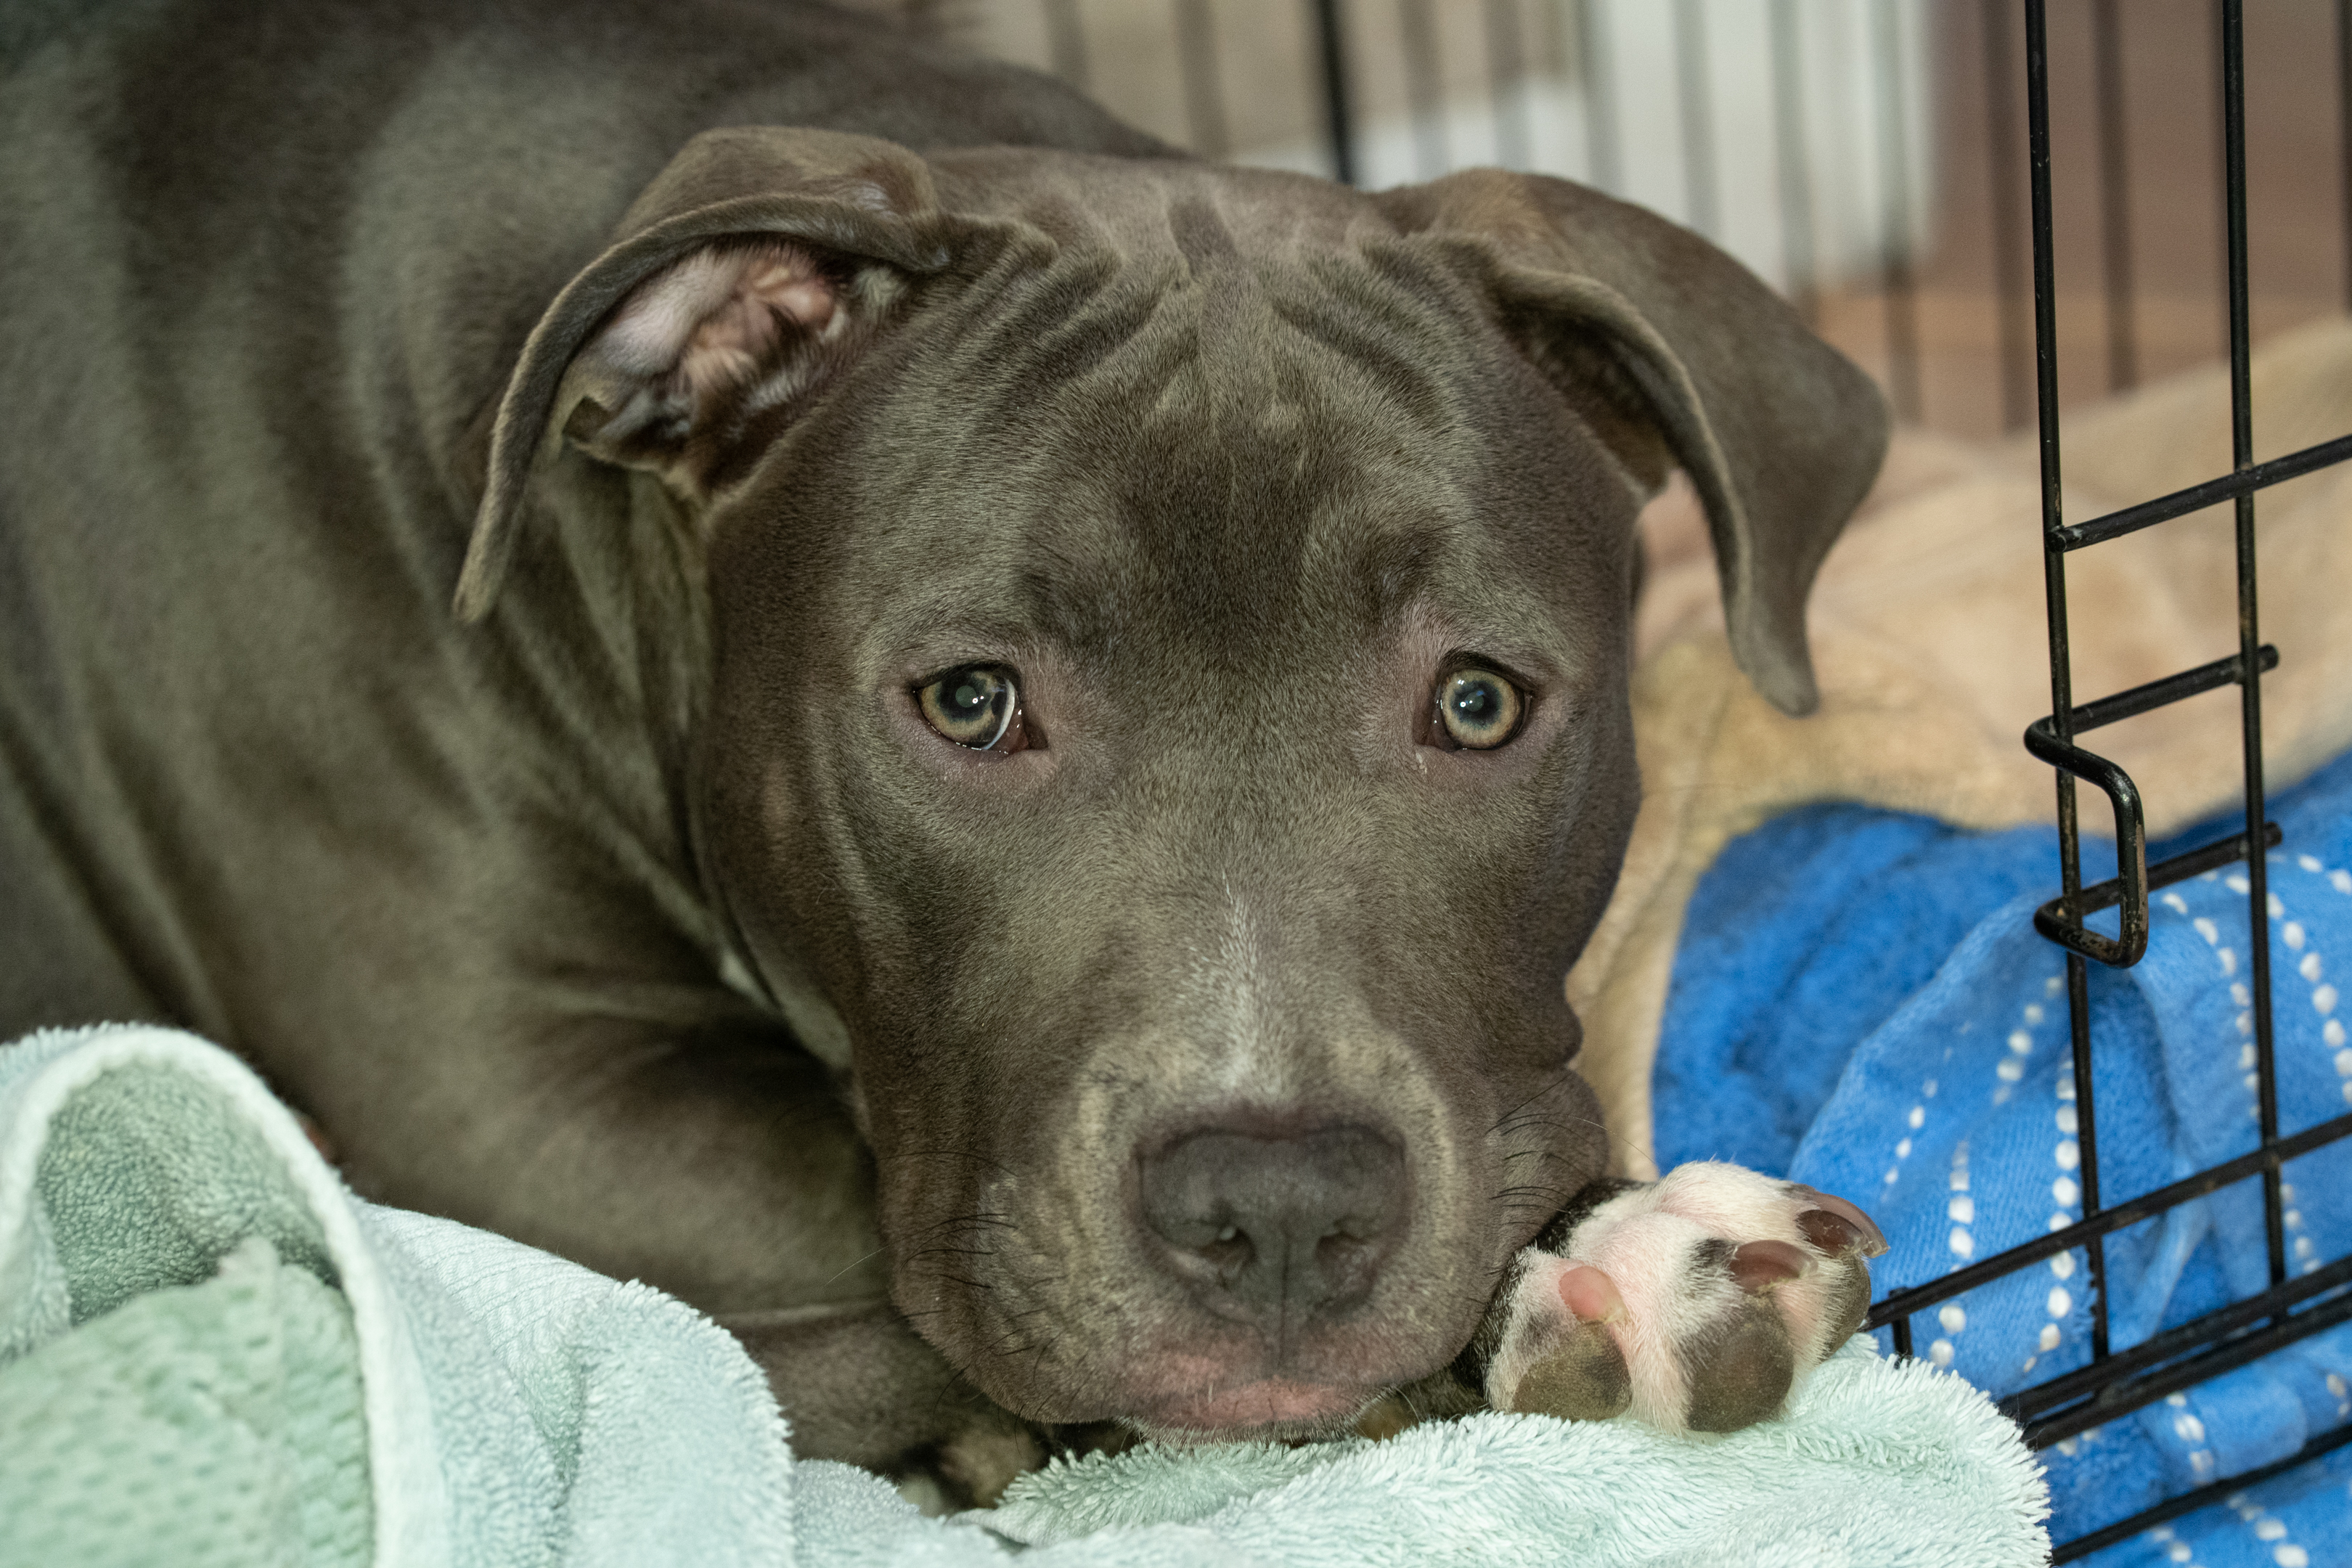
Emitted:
<point x="1696" y="1303"/>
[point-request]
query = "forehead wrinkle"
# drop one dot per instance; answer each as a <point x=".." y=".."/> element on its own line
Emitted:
<point x="1080" y="322"/>
<point x="1198" y="231"/>
<point x="1391" y="569"/>
<point x="1173" y="453"/>
<point x="1243" y="454"/>
<point x="1079" y="600"/>
<point x="1406" y="355"/>
<point x="1302" y="498"/>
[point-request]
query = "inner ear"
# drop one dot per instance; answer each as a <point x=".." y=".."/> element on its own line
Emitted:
<point x="1590" y="374"/>
<point x="712" y="353"/>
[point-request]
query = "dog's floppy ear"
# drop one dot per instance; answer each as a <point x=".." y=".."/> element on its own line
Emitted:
<point x="744" y="277"/>
<point x="1634" y="316"/>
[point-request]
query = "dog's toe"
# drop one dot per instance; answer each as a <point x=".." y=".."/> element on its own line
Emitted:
<point x="1736" y="1370"/>
<point x="1583" y="1377"/>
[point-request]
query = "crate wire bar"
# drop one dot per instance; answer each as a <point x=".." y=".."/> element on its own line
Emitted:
<point x="1338" y="118"/>
<point x="2117" y="1382"/>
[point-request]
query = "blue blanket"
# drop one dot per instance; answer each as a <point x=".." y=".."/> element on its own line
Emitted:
<point x="1860" y="1001"/>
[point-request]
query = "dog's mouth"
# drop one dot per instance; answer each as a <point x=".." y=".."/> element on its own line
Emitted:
<point x="1192" y="1400"/>
<point x="1269" y="1408"/>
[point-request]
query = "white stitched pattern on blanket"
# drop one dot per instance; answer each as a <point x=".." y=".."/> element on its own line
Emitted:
<point x="2313" y="969"/>
<point x="1952" y="1317"/>
<point x="2307" y="964"/>
<point x="2010" y="1069"/>
<point x="2190" y="1428"/>
<point x="2065" y="1193"/>
<point x="2269" y="1530"/>
<point x="1912" y="1122"/>
<point x="2176" y="1548"/>
<point x="2241" y="998"/>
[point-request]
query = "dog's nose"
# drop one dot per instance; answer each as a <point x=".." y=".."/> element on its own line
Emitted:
<point x="1275" y="1230"/>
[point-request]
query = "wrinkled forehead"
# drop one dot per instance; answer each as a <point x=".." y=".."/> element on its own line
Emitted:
<point x="1225" y="452"/>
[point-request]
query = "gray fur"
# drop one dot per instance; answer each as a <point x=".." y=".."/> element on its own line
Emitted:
<point x="639" y="919"/>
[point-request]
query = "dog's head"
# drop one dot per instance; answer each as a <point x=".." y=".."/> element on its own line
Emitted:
<point x="1167" y="733"/>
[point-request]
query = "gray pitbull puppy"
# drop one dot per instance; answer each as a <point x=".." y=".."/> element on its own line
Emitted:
<point x="1030" y="727"/>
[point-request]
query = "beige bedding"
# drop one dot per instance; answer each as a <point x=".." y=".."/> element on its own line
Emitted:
<point x="1929" y="637"/>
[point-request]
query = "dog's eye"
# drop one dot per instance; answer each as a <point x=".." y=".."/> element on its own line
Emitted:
<point x="978" y="706"/>
<point x="1478" y="710"/>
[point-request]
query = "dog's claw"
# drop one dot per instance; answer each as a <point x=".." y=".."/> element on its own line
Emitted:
<point x="1831" y="1236"/>
<point x="1760" y="1265"/>
<point x="1837" y="1226"/>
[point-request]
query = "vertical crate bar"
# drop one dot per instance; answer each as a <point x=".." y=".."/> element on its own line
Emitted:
<point x="2250" y="684"/>
<point x="1338" y="122"/>
<point x="1507" y="77"/>
<point x="1204" y="91"/>
<point x="2062" y="681"/>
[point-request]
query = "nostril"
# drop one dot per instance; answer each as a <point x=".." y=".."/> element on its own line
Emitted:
<point x="1226" y="1254"/>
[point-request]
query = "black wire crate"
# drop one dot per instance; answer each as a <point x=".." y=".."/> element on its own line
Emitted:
<point x="2117" y="1382"/>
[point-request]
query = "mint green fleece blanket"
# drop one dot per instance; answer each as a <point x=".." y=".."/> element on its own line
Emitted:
<point x="211" y="1352"/>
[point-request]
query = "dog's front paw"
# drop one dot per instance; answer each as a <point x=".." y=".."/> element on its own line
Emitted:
<point x="1695" y="1302"/>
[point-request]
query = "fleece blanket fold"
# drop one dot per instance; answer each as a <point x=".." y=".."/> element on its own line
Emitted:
<point x="211" y="1352"/>
<point x="1955" y="1120"/>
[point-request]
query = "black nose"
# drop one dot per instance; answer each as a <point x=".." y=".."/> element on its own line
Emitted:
<point x="1275" y="1230"/>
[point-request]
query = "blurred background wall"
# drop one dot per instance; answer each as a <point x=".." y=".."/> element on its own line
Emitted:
<point x="1867" y="156"/>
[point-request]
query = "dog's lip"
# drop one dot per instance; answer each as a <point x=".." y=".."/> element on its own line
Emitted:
<point x="1265" y="1402"/>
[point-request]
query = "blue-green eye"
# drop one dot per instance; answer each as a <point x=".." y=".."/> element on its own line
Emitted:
<point x="1478" y="709"/>
<point x="978" y="706"/>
